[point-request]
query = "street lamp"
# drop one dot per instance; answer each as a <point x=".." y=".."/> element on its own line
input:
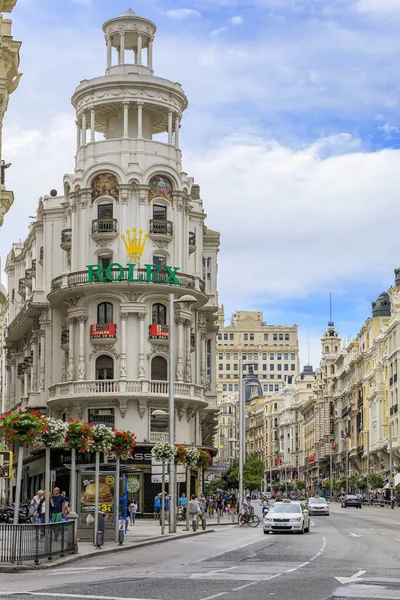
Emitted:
<point x="366" y="432"/>
<point x="390" y="460"/>
<point x="171" y="401"/>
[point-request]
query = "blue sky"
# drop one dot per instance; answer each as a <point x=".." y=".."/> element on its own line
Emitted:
<point x="293" y="133"/>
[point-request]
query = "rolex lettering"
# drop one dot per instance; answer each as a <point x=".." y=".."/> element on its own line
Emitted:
<point x="116" y="272"/>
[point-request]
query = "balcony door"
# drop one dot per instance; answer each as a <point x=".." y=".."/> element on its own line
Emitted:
<point x="159" y="369"/>
<point x="104" y="368"/>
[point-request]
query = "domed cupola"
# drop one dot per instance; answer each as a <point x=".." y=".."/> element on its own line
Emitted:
<point x="381" y="307"/>
<point x="252" y="386"/>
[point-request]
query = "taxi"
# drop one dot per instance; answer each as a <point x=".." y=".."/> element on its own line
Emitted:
<point x="287" y="516"/>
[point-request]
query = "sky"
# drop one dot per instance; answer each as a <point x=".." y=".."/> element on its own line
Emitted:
<point x="292" y="132"/>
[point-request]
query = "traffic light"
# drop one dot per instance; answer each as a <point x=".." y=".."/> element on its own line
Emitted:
<point x="6" y="460"/>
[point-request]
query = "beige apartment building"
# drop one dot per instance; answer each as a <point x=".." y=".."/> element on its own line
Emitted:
<point x="271" y="350"/>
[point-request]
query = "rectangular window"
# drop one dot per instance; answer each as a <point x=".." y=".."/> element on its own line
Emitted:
<point x="293" y="356"/>
<point x="228" y="376"/>
<point x="287" y="336"/>
<point x="252" y="337"/>
<point x="220" y="376"/>
<point x="279" y="367"/>
<point x="286" y="367"/>
<point x="244" y="356"/>
<point x="160" y="212"/>
<point x="231" y="336"/>
<point x="230" y="387"/>
<point x="286" y="356"/>
<point x="160" y="261"/>
<point x="264" y="367"/>
<point x="275" y="337"/>
<point x="265" y="387"/>
<point x="207" y="269"/>
<point x="271" y="388"/>
<point x="279" y="356"/>
<point x="101" y="416"/>
<point x="105" y="212"/>
<point x="309" y="386"/>
<point x="281" y="336"/>
<point x="255" y="368"/>
<point x="245" y="336"/>
<point x="224" y="387"/>
<point x="220" y="336"/>
<point x="228" y="356"/>
<point x="265" y="337"/>
<point x="264" y="377"/>
<point x="236" y="367"/>
<point x="272" y="367"/>
<point x="275" y="406"/>
<point x="272" y="376"/>
<point x="264" y="356"/>
<point x="220" y="356"/>
<point x="244" y="367"/>
<point x="235" y="356"/>
<point x="250" y="356"/>
<point x="220" y="367"/>
<point x="255" y="355"/>
<point x="292" y="367"/>
<point x="276" y="388"/>
<point x="225" y="336"/>
<point x="236" y="387"/>
<point x="271" y="356"/>
<point x="228" y="367"/>
<point x="279" y="377"/>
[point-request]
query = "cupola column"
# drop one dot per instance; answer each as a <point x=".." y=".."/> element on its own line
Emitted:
<point x="142" y="372"/>
<point x="139" y="49"/>
<point x="42" y="359"/>
<point x="123" y="317"/>
<point x="84" y="128"/>
<point x="81" y="366"/>
<point x="92" y="125"/>
<point x="78" y="136"/>
<point x="109" y="53"/>
<point x="170" y="132"/>
<point x="126" y="119"/>
<point x="140" y="119"/>
<point x="179" y="364"/>
<point x="71" y="370"/>
<point x="177" y="132"/>
<point x="121" y="48"/>
<point x="150" y="55"/>
<point x="188" y="367"/>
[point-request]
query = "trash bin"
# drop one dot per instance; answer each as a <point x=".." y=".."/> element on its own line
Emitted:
<point x="99" y="534"/>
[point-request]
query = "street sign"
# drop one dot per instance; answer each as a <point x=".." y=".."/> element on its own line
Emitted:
<point x="6" y="460"/>
<point x="391" y="482"/>
<point x="217" y="469"/>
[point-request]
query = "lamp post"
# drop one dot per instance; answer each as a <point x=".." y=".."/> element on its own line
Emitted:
<point x="242" y="433"/>
<point x="171" y="403"/>
<point x="390" y="460"/>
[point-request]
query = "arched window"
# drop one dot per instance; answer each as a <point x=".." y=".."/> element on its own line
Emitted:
<point x="159" y="314"/>
<point x="159" y="369"/>
<point x="105" y="312"/>
<point x="326" y="348"/>
<point x="104" y="367"/>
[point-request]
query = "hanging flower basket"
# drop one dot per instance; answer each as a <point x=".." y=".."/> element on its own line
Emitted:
<point x="103" y="438"/>
<point x="204" y="460"/>
<point x="181" y="454"/>
<point x="192" y="457"/>
<point x="22" y="428"/>
<point x="79" y="436"/>
<point x="53" y="434"/>
<point x="163" y="452"/>
<point x="123" y="443"/>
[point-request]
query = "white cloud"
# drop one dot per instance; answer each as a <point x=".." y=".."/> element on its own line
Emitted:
<point x="218" y="31"/>
<point x="387" y="7"/>
<point x="81" y="1"/>
<point x="237" y="20"/>
<point x="183" y="13"/>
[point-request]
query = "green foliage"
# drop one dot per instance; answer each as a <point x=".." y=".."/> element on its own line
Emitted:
<point x="300" y="485"/>
<point x="342" y="483"/>
<point x="253" y="472"/>
<point x="362" y="483"/>
<point x="376" y="481"/>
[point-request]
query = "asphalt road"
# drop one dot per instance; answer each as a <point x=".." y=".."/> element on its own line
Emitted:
<point x="350" y="554"/>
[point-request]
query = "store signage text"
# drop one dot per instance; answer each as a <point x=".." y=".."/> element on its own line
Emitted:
<point x="116" y="272"/>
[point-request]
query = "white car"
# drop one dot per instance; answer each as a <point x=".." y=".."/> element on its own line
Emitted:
<point x="318" y="506"/>
<point x="287" y="516"/>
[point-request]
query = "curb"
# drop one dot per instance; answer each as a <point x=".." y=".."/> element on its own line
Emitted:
<point x="76" y="557"/>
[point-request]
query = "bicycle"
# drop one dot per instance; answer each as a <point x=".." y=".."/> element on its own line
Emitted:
<point x="251" y="520"/>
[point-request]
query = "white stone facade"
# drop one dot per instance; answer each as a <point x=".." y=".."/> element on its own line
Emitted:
<point x="81" y="346"/>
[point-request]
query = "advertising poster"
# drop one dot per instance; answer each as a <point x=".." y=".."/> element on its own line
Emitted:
<point x="87" y="489"/>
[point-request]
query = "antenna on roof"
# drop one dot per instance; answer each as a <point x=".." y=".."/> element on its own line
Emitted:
<point x="308" y="342"/>
<point x="330" y="306"/>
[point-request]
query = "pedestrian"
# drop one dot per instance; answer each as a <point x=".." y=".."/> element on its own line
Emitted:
<point x="193" y="509"/>
<point x="39" y="514"/>
<point x="132" y="511"/>
<point x="157" y="506"/>
<point x="183" y="503"/>
<point x="57" y="502"/>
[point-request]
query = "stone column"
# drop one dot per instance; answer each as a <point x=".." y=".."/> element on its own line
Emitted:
<point x="139" y="49"/>
<point x="35" y="366"/>
<point x="140" y="119"/>
<point x="81" y="365"/>
<point x="150" y="56"/>
<point x="84" y="128"/>
<point x="179" y="363"/>
<point x="13" y="380"/>
<point x="203" y="358"/>
<point x="42" y="359"/>
<point x="109" y="54"/>
<point x="78" y="135"/>
<point x="170" y="132"/>
<point x="188" y="366"/>
<point x="126" y="119"/>
<point x="123" y="317"/>
<point x="92" y="125"/>
<point x="177" y="132"/>
<point x="142" y="370"/>
<point x="71" y="369"/>
<point x="121" y="58"/>
<point x="26" y="383"/>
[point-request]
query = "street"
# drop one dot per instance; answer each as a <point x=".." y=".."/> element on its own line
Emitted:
<point x="350" y="554"/>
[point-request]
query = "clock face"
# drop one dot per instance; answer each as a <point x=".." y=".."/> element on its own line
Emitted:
<point x="133" y="485"/>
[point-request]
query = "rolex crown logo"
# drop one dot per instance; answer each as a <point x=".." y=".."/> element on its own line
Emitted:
<point x="135" y="243"/>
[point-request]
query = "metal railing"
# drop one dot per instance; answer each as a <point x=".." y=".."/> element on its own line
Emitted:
<point x="104" y="226"/>
<point x="19" y="543"/>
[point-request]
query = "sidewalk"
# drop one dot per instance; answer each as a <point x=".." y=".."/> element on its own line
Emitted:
<point x="145" y="533"/>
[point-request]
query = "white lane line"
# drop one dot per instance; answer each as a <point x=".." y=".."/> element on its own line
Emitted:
<point x="397" y="539"/>
<point x="354" y="535"/>
<point x="383" y="533"/>
<point x="57" y="595"/>
<point x="372" y="529"/>
<point x="72" y="570"/>
<point x="239" y="588"/>
<point x="222" y="570"/>
<point x="214" y="596"/>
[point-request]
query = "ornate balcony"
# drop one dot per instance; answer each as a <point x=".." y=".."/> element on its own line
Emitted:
<point x="192" y="242"/>
<point x="161" y="230"/>
<point x="114" y="389"/>
<point x="104" y="229"/>
<point x="66" y="239"/>
<point x="101" y="333"/>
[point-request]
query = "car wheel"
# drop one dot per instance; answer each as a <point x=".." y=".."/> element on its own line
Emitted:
<point x="266" y="532"/>
<point x="302" y="530"/>
<point x="307" y="529"/>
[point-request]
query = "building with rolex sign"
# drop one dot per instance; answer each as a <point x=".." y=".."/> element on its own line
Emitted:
<point x="88" y="328"/>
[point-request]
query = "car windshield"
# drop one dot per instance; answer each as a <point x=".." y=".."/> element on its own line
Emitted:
<point x="286" y="508"/>
<point x="317" y="501"/>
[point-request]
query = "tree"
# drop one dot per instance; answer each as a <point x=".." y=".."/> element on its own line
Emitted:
<point x="300" y="485"/>
<point x="253" y="472"/>
<point x="376" y="481"/>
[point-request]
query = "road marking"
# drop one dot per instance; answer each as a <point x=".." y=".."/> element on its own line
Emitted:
<point x="214" y="596"/>
<point x="78" y="570"/>
<point x="383" y="533"/>
<point x="239" y="588"/>
<point x="222" y="570"/>
<point x="354" y="535"/>
<point x="397" y="539"/>
<point x="57" y="595"/>
<point x="350" y="579"/>
<point x="372" y="529"/>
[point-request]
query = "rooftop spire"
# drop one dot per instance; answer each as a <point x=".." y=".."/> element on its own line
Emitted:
<point x="129" y="13"/>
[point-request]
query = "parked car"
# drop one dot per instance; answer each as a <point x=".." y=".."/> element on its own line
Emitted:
<point x="318" y="506"/>
<point x="351" y="500"/>
<point x="287" y="516"/>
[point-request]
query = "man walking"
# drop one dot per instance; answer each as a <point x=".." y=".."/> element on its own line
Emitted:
<point x="193" y="509"/>
<point x="57" y="504"/>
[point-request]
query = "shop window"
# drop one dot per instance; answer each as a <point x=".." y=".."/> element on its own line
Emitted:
<point x="159" y="369"/>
